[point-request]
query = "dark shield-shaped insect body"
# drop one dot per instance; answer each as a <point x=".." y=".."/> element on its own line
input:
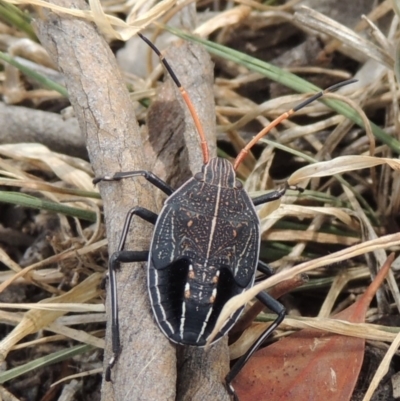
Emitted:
<point x="205" y="247"/>
<point x="204" y="251"/>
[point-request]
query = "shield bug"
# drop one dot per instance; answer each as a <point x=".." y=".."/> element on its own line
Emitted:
<point x="204" y="249"/>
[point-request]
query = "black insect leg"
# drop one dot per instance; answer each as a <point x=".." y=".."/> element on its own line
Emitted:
<point x="121" y="256"/>
<point x="264" y="268"/>
<point x="272" y="196"/>
<point x="148" y="175"/>
<point x="276" y="307"/>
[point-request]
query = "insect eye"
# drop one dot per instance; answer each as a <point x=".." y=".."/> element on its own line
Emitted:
<point x="238" y="184"/>
<point x="199" y="176"/>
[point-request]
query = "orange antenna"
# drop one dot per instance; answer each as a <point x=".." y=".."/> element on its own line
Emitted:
<point x="244" y="152"/>
<point x="186" y="98"/>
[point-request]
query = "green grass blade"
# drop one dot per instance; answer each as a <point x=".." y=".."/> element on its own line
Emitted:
<point x="13" y="16"/>
<point x="47" y="83"/>
<point x="44" y="361"/>
<point x="24" y="200"/>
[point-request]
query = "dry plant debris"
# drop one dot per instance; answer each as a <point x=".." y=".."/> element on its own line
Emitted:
<point x="344" y="150"/>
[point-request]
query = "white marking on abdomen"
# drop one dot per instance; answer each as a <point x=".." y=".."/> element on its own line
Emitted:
<point x="204" y="324"/>
<point x="164" y="317"/>
<point x="182" y="325"/>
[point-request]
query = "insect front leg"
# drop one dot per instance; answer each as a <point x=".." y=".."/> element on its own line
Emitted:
<point x="274" y="195"/>
<point x="274" y="306"/>
<point x="148" y="175"/>
<point x="264" y="268"/>
<point x="123" y="256"/>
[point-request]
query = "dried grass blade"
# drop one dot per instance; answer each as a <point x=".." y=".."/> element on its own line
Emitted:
<point x="56" y="306"/>
<point x="326" y="25"/>
<point x="339" y="165"/>
<point x="35" y="320"/>
<point x="383" y="368"/>
<point x="111" y="26"/>
<point x="285" y="78"/>
<point x="236" y="302"/>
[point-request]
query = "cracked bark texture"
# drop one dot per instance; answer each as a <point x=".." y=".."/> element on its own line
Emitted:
<point x="147" y="366"/>
<point x="107" y="120"/>
<point x="22" y="124"/>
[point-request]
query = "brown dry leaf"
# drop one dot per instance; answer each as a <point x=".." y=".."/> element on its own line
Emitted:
<point x="310" y="364"/>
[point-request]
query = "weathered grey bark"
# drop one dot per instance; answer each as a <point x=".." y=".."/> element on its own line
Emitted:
<point x="146" y="369"/>
<point x="21" y="124"/>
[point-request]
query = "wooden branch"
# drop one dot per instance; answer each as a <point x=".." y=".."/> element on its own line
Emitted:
<point x="21" y="124"/>
<point x="146" y="368"/>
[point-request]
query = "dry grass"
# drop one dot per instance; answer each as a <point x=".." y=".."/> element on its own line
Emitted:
<point x="342" y="227"/>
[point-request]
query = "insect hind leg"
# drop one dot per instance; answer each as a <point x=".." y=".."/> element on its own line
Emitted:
<point x="280" y="310"/>
<point x="122" y="256"/>
<point x="264" y="268"/>
<point x="126" y="257"/>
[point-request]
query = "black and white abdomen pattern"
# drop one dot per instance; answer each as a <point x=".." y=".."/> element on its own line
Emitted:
<point x="185" y="306"/>
<point x="200" y="258"/>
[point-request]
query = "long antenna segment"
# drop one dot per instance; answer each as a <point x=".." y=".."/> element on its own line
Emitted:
<point x="244" y="152"/>
<point x="186" y="98"/>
